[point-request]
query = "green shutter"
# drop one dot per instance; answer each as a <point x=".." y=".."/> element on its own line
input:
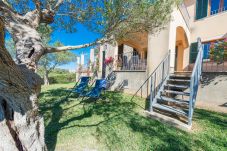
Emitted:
<point x="193" y="52"/>
<point x="201" y="8"/>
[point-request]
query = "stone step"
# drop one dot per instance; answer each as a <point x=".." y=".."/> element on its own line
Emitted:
<point x="176" y="92"/>
<point x="174" y="76"/>
<point x="170" y="109"/>
<point x="173" y="100"/>
<point x="177" y="86"/>
<point x="178" y="80"/>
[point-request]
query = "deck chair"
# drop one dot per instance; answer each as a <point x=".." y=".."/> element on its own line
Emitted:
<point x="80" y="88"/>
<point x="96" y="91"/>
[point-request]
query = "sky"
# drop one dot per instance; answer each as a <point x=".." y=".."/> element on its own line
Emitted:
<point x="82" y="36"/>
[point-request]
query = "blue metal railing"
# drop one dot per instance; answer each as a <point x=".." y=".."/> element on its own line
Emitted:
<point x="130" y="61"/>
<point x="195" y="80"/>
<point x="158" y="76"/>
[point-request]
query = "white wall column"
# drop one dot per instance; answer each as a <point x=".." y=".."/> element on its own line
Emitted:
<point x="172" y="45"/>
<point x="101" y="49"/>
<point x="115" y="55"/>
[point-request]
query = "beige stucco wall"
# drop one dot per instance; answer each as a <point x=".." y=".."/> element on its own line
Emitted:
<point x="158" y="47"/>
<point x="159" y="44"/>
<point x="209" y="28"/>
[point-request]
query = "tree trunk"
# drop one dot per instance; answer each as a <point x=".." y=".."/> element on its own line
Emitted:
<point x="21" y="126"/>
<point x="46" y="78"/>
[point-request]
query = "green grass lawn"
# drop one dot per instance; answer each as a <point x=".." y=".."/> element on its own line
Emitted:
<point x="115" y="123"/>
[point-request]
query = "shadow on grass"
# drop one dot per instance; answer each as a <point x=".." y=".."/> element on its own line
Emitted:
<point x="121" y="127"/>
<point x="212" y="117"/>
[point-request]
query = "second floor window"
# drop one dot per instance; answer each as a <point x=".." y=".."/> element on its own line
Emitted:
<point x="206" y="8"/>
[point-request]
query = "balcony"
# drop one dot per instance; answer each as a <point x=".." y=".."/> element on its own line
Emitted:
<point x="185" y="14"/>
<point x="131" y="61"/>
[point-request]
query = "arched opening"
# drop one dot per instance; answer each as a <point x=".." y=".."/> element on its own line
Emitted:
<point x="181" y="45"/>
<point x="132" y="52"/>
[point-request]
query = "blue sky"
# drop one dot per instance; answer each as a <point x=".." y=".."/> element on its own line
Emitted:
<point x="80" y="37"/>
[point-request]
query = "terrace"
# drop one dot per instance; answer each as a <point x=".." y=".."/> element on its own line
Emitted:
<point x="132" y="53"/>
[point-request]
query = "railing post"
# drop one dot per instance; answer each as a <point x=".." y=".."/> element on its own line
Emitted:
<point x="163" y="67"/>
<point x="141" y="92"/>
<point x="151" y="95"/>
<point x="191" y="102"/>
<point x="168" y="71"/>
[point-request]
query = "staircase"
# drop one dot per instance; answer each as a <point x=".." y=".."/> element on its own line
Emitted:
<point x="173" y="95"/>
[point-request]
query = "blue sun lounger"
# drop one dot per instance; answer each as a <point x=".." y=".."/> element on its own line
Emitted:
<point x="96" y="91"/>
<point x="80" y="88"/>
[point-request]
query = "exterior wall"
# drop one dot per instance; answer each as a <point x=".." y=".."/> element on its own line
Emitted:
<point x="186" y="57"/>
<point x="208" y="28"/>
<point x="111" y="50"/>
<point x="133" y="80"/>
<point x="159" y="44"/>
<point x="127" y="49"/>
<point x="157" y="48"/>
<point x="208" y="97"/>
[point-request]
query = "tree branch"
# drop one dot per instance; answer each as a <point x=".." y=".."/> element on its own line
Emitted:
<point x="6" y="2"/>
<point x="67" y="48"/>
<point x="37" y="5"/>
<point x="6" y="12"/>
<point x="58" y="4"/>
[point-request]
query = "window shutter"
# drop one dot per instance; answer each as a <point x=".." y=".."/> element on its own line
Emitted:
<point x="193" y="52"/>
<point x="201" y="8"/>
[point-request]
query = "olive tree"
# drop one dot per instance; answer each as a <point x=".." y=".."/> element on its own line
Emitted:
<point x="21" y="126"/>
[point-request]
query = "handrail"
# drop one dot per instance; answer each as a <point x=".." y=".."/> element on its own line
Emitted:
<point x="163" y="65"/>
<point x="158" y="76"/>
<point x="195" y="80"/>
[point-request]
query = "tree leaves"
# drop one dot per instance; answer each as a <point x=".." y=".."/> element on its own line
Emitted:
<point x="116" y="18"/>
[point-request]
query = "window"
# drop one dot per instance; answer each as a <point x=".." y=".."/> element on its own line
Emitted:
<point x="225" y="5"/>
<point x="206" y="48"/>
<point x="207" y="54"/>
<point x="205" y="8"/>
<point x="201" y="8"/>
<point x="193" y="52"/>
<point x="214" y="6"/>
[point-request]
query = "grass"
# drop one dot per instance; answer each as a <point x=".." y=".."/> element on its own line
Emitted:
<point x="115" y="123"/>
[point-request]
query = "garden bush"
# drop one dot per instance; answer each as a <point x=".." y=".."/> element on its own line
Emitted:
<point x="62" y="78"/>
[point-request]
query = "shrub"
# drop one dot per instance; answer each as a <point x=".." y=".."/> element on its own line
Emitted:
<point x="62" y="78"/>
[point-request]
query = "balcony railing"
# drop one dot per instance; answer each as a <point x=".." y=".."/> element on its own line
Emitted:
<point x="130" y="61"/>
<point x="212" y="64"/>
<point x="185" y="14"/>
<point x="214" y="12"/>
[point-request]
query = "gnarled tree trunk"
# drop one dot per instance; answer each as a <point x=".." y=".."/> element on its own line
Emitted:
<point x="21" y="127"/>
